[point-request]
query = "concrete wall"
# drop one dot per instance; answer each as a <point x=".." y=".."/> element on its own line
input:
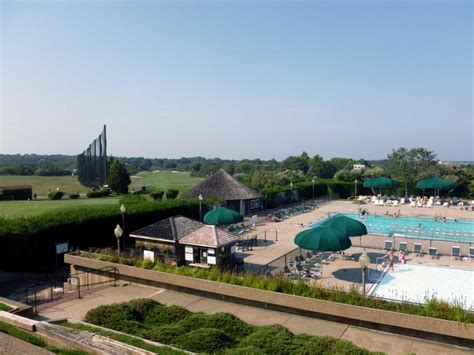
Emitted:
<point x="19" y="309"/>
<point x="438" y="329"/>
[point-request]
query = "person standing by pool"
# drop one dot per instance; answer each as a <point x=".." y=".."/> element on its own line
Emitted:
<point x="401" y="257"/>
<point x="389" y="256"/>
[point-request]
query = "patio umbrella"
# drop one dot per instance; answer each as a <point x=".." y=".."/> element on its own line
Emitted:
<point x="222" y="215"/>
<point x="435" y="183"/>
<point x="347" y="226"/>
<point x="379" y="182"/>
<point x="322" y="238"/>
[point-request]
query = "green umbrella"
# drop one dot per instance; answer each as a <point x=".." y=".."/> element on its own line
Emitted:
<point x="322" y="238"/>
<point x="222" y="215"/>
<point x="379" y="182"/>
<point x="435" y="183"/>
<point x="348" y="226"/>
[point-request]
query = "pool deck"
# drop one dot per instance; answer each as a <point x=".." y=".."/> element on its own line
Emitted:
<point x="344" y="274"/>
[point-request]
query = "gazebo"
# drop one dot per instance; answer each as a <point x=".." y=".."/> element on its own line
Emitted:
<point x="237" y="196"/>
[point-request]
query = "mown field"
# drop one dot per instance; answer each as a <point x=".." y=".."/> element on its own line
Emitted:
<point x="164" y="180"/>
<point x="69" y="184"/>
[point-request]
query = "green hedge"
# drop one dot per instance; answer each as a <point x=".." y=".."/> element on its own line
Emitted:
<point x="73" y="196"/>
<point x="28" y="243"/>
<point x="220" y="333"/>
<point x="94" y="194"/>
<point x="157" y="195"/>
<point x="55" y="195"/>
<point x="172" y="194"/>
<point x="433" y="308"/>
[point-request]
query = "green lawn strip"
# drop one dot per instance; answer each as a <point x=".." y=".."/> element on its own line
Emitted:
<point x="130" y="340"/>
<point x="433" y="308"/>
<point x="4" y="307"/>
<point x="164" y="180"/>
<point x="35" y="340"/>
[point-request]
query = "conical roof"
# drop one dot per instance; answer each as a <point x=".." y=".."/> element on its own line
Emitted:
<point x="223" y="186"/>
<point x="169" y="229"/>
<point x="209" y="236"/>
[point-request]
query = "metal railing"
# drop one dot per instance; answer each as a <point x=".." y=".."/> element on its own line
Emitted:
<point x="432" y="234"/>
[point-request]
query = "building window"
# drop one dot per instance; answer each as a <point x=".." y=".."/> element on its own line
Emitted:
<point x="254" y="204"/>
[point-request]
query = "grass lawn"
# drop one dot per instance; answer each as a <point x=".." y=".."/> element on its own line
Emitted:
<point x="10" y="209"/>
<point x="4" y="307"/>
<point x="164" y="180"/>
<point x="41" y="184"/>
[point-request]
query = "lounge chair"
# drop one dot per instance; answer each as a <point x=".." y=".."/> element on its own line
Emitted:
<point x="433" y="252"/>
<point x="471" y="253"/>
<point x="403" y="247"/>
<point x="429" y="204"/>
<point x="412" y="204"/>
<point x="394" y="202"/>
<point x="388" y="245"/>
<point x="455" y="252"/>
<point x="417" y="249"/>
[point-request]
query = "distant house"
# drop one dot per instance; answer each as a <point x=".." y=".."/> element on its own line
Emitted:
<point x="224" y="186"/>
<point x="358" y="167"/>
<point x="16" y="192"/>
<point x="188" y="241"/>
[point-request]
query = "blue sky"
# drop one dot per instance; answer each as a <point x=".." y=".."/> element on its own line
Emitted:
<point x="237" y="79"/>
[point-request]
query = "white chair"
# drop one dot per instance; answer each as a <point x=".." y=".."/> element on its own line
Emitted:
<point x="413" y="204"/>
<point x="429" y="204"/>
<point x="395" y="202"/>
<point x="456" y="252"/>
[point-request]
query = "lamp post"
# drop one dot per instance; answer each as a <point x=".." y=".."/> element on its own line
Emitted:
<point x="118" y="233"/>
<point x="355" y="188"/>
<point x="364" y="261"/>
<point x="291" y="191"/>
<point x="200" y="207"/>
<point x="313" y="188"/>
<point x="123" y="209"/>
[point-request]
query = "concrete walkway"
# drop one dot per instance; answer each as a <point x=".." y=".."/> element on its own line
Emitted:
<point x="370" y="339"/>
<point x="12" y="346"/>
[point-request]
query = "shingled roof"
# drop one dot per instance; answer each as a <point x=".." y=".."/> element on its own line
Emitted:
<point x="169" y="229"/>
<point x="223" y="186"/>
<point x="209" y="236"/>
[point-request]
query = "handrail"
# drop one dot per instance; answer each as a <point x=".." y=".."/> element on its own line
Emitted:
<point x="105" y="268"/>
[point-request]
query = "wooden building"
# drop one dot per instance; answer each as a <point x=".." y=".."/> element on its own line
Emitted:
<point x="224" y="186"/>
<point x="16" y="192"/>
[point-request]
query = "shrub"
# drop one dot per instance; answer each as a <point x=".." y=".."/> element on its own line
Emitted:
<point x="171" y="194"/>
<point x="204" y="340"/>
<point x="2" y="196"/>
<point x="74" y="196"/>
<point x="110" y="315"/>
<point x="229" y="324"/>
<point x="161" y="315"/>
<point x="194" y="321"/>
<point x="247" y="350"/>
<point x="129" y="200"/>
<point x="157" y="195"/>
<point x="55" y="195"/>
<point x="140" y="307"/>
<point x="105" y="191"/>
<point x="94" y="194"/>
<point x="166" y="334"/>
<point x="272" y="339"/>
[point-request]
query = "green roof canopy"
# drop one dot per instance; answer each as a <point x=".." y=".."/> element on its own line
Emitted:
<point x="379" y="182"/>
<point x="435" y="183"/>
<point x="222" y="215"/>
<point x="346" y="226"/>
<point x="322" y="238"/>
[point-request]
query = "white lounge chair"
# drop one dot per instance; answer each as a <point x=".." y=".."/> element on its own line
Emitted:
<point x="455" y="252"/>
<point x="429" y="204"/>
<point x="413" y="204"/>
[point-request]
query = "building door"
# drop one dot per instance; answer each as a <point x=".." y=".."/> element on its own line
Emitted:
<point x="242" y="207"/>
<point x="203" y="256"/>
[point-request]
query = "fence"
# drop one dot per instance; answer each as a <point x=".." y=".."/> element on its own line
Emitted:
<point x="431" y="234"/>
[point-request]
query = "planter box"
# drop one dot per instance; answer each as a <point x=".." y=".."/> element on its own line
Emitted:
<point x="413" y="325"/>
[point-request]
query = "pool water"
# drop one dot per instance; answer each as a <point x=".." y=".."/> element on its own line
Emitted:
<point x="418" y="283"/>
<point x="419" y="227"/>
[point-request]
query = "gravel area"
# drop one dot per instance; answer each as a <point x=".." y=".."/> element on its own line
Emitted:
<point x="14" y="346"/>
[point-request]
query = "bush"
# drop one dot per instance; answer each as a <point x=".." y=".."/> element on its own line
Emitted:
<point x="74" y="196"/>
<point x="129" y="200"/>
<point x="55" y="195"/>
<point x="195" y="321"/>
<point x="94" y="194"/>
<point x="229" y="324"/>
<point x="105" y="191"/>
<point x="247" y="350"/>
<point x="157" y="195"/>
<point x="161" y="315"/>
<point x="140" y="307"/>
<point x="272" y="339"/>
<point x="171" y="194"/>
<point x="166" y="334"/>
<point x="2" y="196"/>
<point x="204" y="340"/>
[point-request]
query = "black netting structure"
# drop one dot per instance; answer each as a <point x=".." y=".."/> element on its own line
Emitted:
<point x="92" y="163"/>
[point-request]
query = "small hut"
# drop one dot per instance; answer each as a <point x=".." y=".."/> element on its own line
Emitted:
<point x="16" y="192"/>
<point x="224" y="186"/>
<point x="164" y="236"/>
<point x="209" y="246"/>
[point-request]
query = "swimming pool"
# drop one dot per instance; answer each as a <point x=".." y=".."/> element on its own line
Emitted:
<point x="418" y="283"/>
<point x="419" y="227"/>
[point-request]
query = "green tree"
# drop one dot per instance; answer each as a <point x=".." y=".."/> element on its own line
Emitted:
<point x="408" y="165"/>
<point x="118" y="178"/>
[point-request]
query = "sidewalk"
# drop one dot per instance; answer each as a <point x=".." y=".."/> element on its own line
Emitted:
<point x="370" y="339"/>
